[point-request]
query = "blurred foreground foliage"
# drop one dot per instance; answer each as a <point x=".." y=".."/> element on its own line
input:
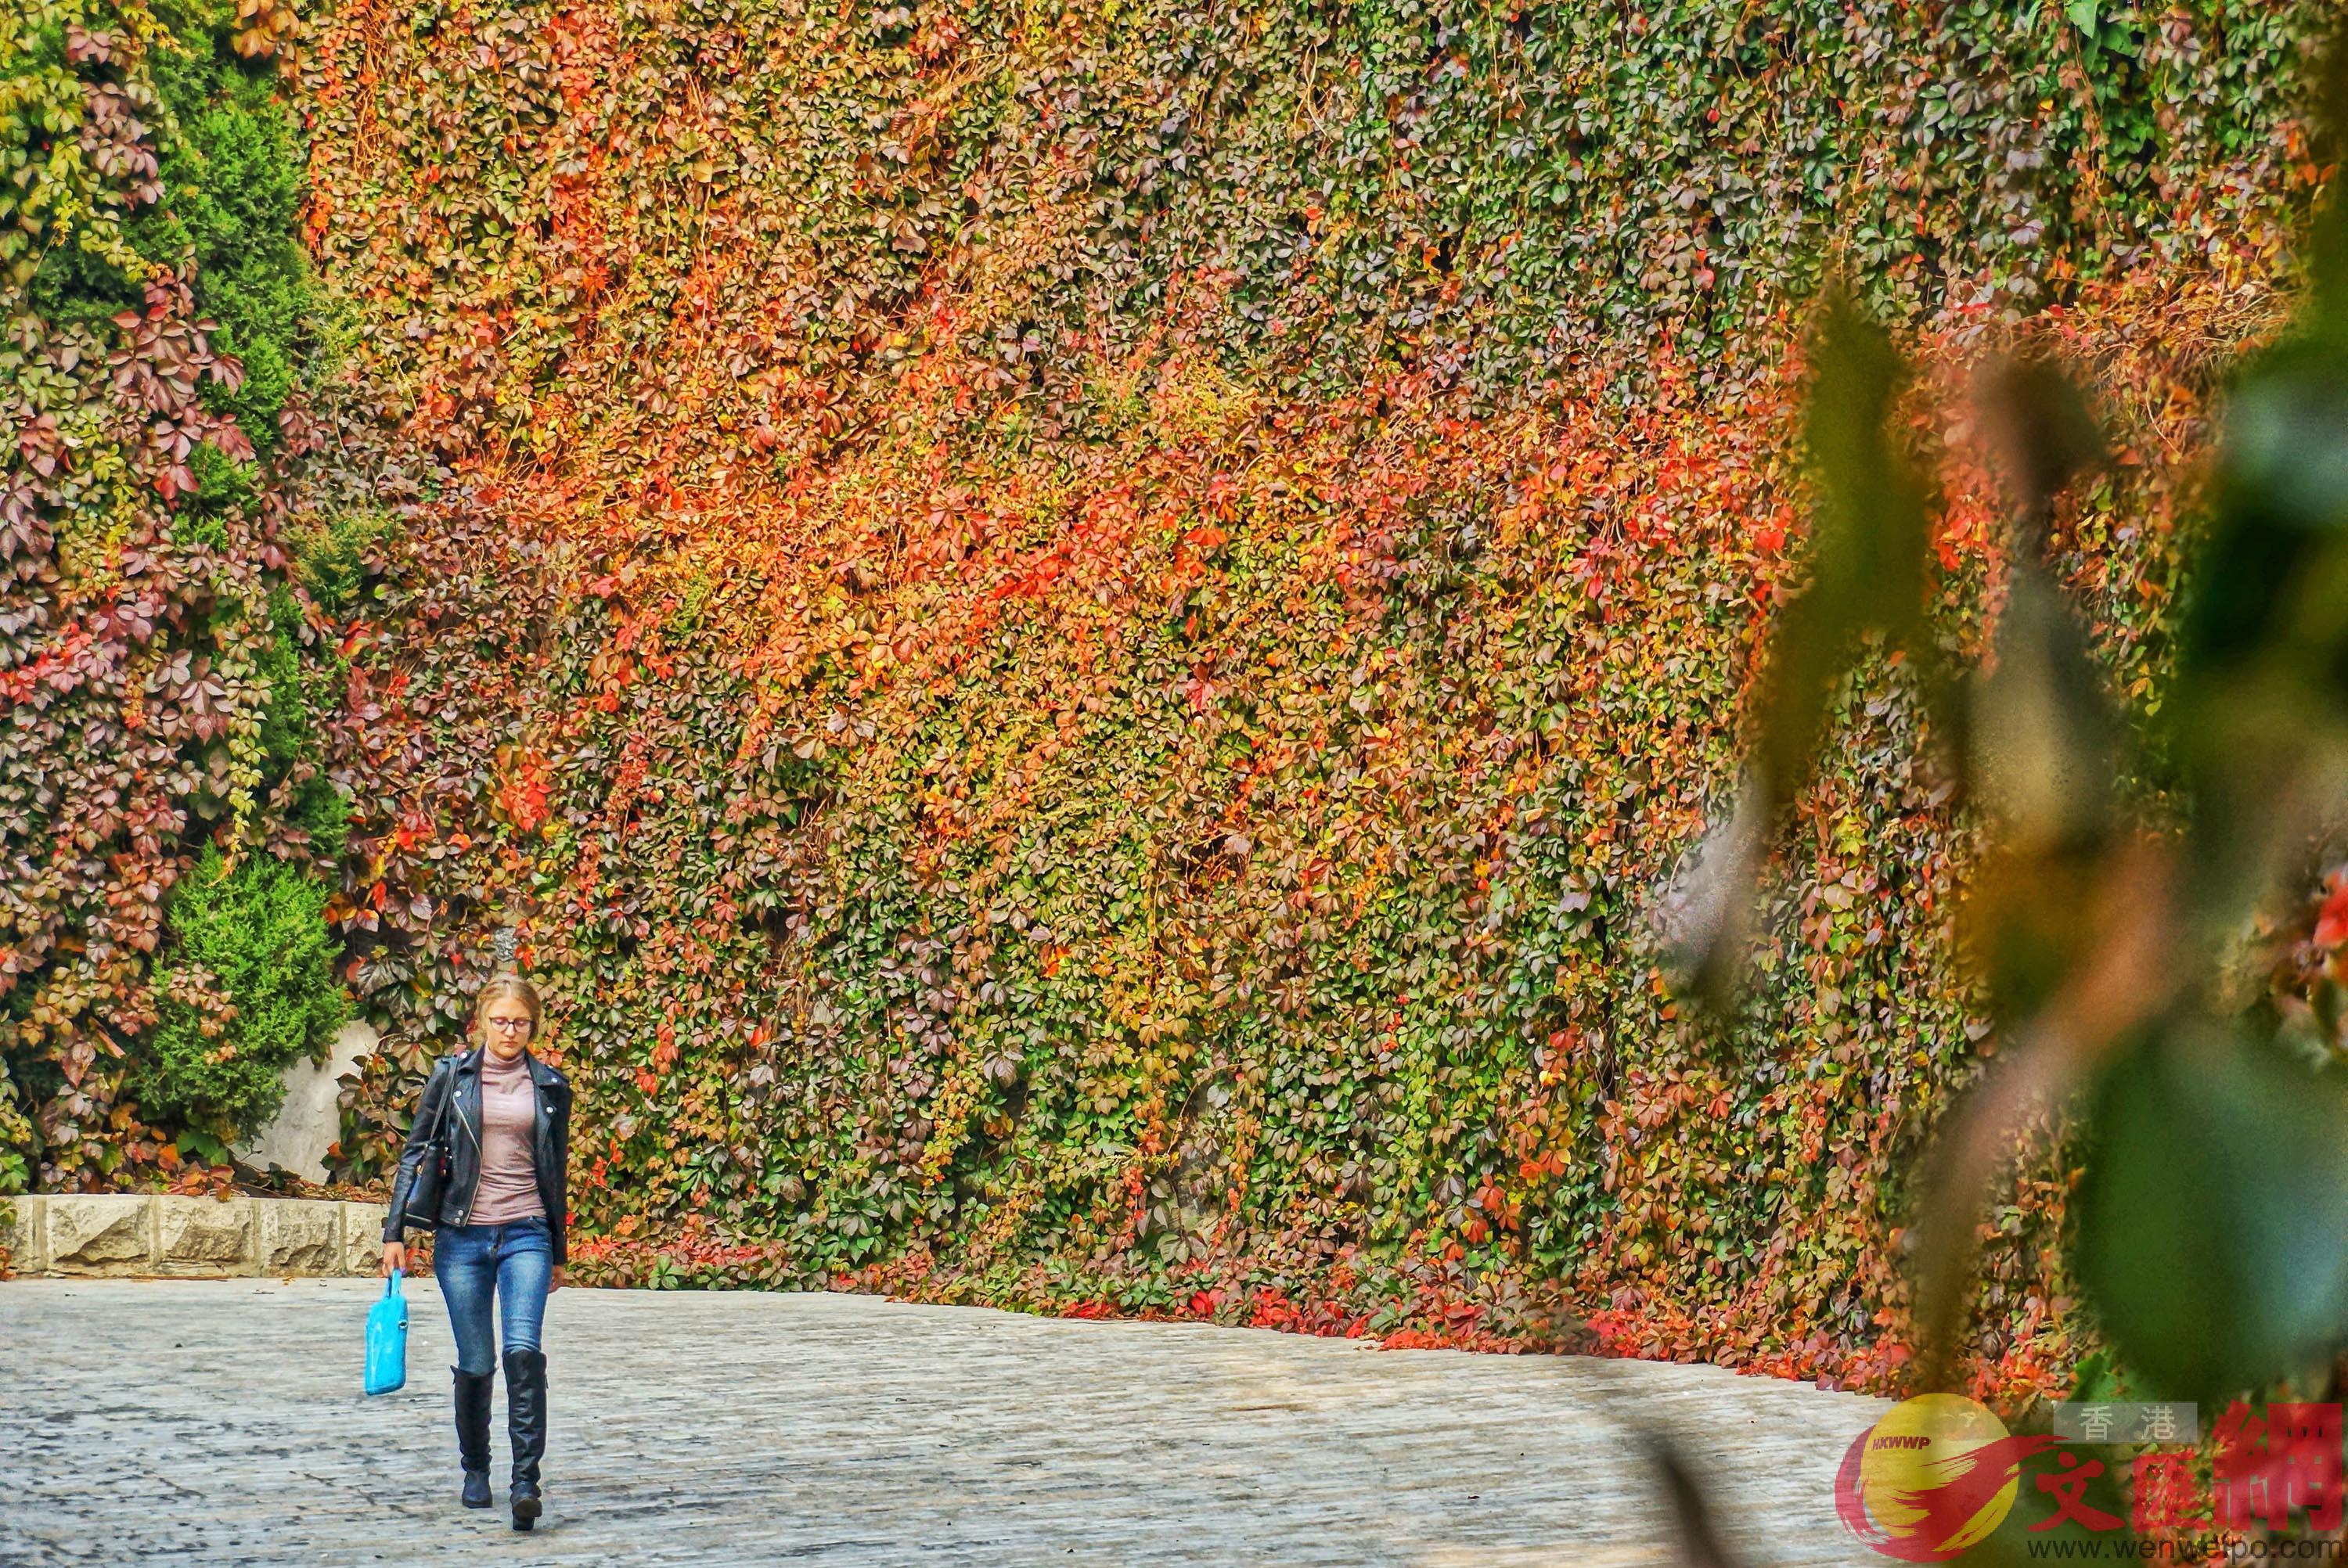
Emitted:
<point x="2169" y="996"/>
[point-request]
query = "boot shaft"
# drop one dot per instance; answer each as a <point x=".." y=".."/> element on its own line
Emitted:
<point x="526" y="1413"/>
<point x="473" y="1418"/>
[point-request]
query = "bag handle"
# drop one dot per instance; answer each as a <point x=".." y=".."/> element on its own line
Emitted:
<point x="436" y="1143"/>
<point x="440" y="1134"/>
<point x="391" y="1284"/>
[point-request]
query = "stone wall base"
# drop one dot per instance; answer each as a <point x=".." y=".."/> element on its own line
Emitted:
<point x="192" y="1238"/>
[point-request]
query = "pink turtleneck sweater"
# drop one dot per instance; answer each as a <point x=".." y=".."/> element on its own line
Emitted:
<point x="509" y="1189"/>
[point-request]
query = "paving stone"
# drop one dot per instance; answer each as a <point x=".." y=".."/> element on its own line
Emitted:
<point x="100" y="1234"/>
<point x="301" y="1238"/>
<point x="205" y="1236"/>
<point x="220" y="1422"/>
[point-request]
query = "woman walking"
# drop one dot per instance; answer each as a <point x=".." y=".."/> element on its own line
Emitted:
<point x="497" y="1120"/>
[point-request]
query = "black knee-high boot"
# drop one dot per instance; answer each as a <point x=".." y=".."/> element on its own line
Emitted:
<point x="526" y="1425"/>
<point x="473" y="1433"/>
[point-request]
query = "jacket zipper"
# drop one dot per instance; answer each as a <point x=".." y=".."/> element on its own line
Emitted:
<point x="459" y="1108"/>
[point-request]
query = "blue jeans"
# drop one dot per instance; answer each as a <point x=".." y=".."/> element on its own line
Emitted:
<point x="517" y="1261"/>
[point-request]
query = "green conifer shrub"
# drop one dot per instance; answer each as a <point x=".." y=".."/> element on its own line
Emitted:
<point x="250" y="988"/>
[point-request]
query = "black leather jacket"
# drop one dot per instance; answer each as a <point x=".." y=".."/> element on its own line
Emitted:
<point x="453" y="1092"/>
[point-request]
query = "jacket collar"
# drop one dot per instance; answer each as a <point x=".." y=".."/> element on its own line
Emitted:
<point x="470" y="1060"/>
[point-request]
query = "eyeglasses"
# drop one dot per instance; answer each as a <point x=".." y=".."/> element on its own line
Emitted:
<point x="508" y="1025"/>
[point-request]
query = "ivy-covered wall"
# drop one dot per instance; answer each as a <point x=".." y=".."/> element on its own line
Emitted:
<point x="1085" y="637"/>
<point x="166" y="679"/>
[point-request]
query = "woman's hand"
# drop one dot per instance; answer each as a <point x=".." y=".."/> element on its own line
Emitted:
<point x="556" y="1283"/>
<point x="395" y="1256"/>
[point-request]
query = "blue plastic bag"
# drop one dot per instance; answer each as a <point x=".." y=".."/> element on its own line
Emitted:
<point x="386" y="1338"/>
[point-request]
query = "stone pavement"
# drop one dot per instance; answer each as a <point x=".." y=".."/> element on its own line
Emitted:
<point x="221" y="1421"/>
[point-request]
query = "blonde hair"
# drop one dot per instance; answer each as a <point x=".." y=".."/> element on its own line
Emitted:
<point x="505" y="986"/>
